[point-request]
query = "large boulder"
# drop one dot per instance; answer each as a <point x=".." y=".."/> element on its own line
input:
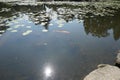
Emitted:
<point x="104" y="72"/>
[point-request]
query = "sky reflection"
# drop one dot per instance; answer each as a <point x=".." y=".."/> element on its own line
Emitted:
<point x="48" y="71"/>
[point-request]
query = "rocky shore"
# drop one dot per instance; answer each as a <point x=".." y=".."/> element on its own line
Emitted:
<point x="106" y="71"/>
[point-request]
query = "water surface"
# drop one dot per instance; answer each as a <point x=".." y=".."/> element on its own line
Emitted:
<point x="41" y="43"/>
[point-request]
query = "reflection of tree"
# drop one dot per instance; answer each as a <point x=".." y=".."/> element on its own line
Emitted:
<point x="40" y="18"/>
<point x="99" y="26"/>
<point x="4" y="17"/>
<point x="96" y="25"/>
<point x="67" y="17"/>
<point x="3" y="29"/>
<point x="37" y="14"/>
<point x="66" y="14"/>
<point x="116" y="26"/>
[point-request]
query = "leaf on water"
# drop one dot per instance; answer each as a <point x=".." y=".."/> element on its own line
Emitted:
<point x="60" y="25"/>
<point x="44" y="30"/>
<point x="36" y="19"/>
<point x="50" y="24"/>
<point x="43" y="24"/>
<point x="36" y="22"/>
<point x="62" y="31"/>
<point x="28" y="26"/>
<point x="14" y="31"/>
<point x="16" y="26"/>
<point x="9" y="29"/>
<point x="27" y="32"/>
<point x="2" y="31"/>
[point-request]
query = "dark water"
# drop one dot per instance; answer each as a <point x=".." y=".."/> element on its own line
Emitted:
<point x="57" y="45"/>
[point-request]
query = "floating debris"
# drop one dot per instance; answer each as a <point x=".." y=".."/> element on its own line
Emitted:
<point x="44" y="30"/>
<point x="43" y="23"/>
<point x="37" y="22"/>
<point x="60" y="25"/>
<point x="28" y="26"/>
<point x="36" y="19"/>
<point x="27" y="32"/>
<point x="2" y="31"/>
<point x="62" y="31"/>
<point x="50" y="24"/>
<point x="14" y="31"/>
<point x="9" y="29"/>
<point x="16" y="26"/>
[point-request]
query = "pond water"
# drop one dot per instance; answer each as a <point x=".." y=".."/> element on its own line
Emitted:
<point x="41" y="43"/>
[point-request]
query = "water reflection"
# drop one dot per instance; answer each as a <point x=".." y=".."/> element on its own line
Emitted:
<point x="42" y="15"/>
<point x="73" y="53"/>
<point x="100" y="26"/>
<point x="48" y="71"/>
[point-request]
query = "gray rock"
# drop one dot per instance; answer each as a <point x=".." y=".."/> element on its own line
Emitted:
<point x="104" y="72"/>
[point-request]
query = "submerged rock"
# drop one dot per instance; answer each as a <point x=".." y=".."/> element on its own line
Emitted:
<point x="104" y="72"/>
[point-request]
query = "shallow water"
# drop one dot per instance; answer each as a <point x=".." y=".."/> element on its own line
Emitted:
<point x="56" y="45"/>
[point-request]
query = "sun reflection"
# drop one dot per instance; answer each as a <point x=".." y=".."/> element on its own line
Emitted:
<point x="48" y="71"/>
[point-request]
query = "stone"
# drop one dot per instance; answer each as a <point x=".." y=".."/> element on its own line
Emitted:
<point x="104" y="72"/>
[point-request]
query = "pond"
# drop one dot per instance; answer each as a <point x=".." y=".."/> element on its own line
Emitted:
<point x="44" y="43"/>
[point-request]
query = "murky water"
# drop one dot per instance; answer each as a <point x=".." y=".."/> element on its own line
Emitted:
<point x="57" y="45"/>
